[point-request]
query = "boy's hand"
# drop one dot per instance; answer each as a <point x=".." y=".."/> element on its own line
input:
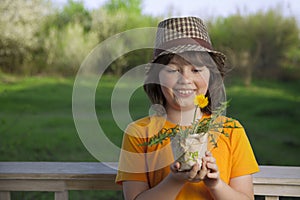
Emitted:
<point x="194" y="175"/>
<point x="212" y="177"/>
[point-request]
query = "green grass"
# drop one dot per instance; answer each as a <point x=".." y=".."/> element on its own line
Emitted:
<point x="269" y="112"/>
<point x="36" y="122"/>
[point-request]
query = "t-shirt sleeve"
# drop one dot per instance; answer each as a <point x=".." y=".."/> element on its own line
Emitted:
<point x="132" y="161"/>
<point x="243" y="159"/>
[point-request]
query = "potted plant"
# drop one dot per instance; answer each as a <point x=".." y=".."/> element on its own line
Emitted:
<point x="189" y="144"/>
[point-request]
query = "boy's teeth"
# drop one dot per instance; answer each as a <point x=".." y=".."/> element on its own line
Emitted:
<point x="185" y="91"/>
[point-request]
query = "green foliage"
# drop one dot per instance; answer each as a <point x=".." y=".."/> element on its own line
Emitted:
<point x="73" y="12"/>
<point x="210" y="125"/>
<point x="66" y="39"/>
<point x="163" y="135"/>
<point x="67" y="48"/>
<point x="132" y="7"/>
<point x="260" y="44"/>
<point x="19" y="21"/>
<point x="117" y="16"/>
<point x="277" y="36"/>
<point x="42" y="39"/>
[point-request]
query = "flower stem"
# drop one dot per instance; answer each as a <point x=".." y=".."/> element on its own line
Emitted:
<point x="194" y="118"/>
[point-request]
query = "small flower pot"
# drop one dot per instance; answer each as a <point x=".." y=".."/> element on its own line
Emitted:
<point x="189" y="150"/>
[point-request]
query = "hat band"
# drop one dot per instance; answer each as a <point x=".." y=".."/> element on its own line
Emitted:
<point x="181" y="41"/>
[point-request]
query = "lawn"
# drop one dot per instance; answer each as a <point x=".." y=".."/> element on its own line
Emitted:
<point x="36" y="121"/>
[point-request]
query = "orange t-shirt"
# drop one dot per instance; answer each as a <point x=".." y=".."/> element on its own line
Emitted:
<point x="151" y="164"/>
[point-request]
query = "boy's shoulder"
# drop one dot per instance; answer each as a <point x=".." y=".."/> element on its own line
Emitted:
<point x="147" y="125"/>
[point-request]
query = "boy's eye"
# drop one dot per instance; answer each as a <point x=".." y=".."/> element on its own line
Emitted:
<point x="172" y="70"/>
<point x="196" y="70"/>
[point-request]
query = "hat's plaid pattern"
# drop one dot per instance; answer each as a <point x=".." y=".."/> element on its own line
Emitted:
<point x="187" y="27"/>
<point x="178" y="35"/>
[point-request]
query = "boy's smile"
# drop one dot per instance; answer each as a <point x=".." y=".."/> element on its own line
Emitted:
<point x="181" y="82"/>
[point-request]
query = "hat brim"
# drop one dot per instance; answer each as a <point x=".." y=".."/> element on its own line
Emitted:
<point x="218" y="57"/>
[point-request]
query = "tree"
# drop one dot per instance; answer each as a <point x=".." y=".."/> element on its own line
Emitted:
<point x="277" y="36"/>
<point x="67" y="39"/>
<point x="116" y="6"/>
<point x="233" y="35"/>
<point x="257" y="44"/>
<point x="66" y="49"/>
<point x="117" y="16"/>
<point x="19" y="22"/>
<point x="72" y="12"/>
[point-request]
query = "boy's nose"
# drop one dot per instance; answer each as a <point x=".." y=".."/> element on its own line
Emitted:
<point x="184" y="78"/>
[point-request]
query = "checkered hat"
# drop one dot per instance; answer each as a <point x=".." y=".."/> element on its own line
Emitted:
<point x="178" y="35"/>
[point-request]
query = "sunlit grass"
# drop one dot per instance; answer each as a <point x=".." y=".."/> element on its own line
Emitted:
<point x="269" y="111"/>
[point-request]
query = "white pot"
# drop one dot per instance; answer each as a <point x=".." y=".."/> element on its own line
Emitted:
<point x="189" y="150"/>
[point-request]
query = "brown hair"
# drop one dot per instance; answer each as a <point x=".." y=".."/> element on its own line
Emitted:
<point x="215" y="88"/>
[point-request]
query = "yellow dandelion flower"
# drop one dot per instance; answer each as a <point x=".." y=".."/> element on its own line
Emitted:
<point x="201" y="101"/>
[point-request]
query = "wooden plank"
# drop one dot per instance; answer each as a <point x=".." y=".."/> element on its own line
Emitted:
<point x="69" y="176"/>
<point x="286" y="175"/>
<point x="276" y="181"/>
<point x="58" y="185"/>
<point x="92" y="185"/>
<point x="32" y="185"/>
<point x="61" y="176"/>
<point x="56" y="170"/>
<point x="277" y="190"/>
<point x="71" y="170"/>
<point x="4" y="195"/>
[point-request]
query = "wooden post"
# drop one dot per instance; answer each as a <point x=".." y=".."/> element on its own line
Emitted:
<point x="4" y="195"/>
<point x="61" y="195"/>
<point x="271" y="198"/>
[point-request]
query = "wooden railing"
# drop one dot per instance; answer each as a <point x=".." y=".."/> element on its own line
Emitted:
<point x="60" y="177"/>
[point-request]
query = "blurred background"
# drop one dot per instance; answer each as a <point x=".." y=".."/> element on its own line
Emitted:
<point x="43" y="43"/>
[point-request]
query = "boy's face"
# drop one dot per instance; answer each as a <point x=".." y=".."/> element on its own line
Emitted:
<point x="180" y="82"/>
